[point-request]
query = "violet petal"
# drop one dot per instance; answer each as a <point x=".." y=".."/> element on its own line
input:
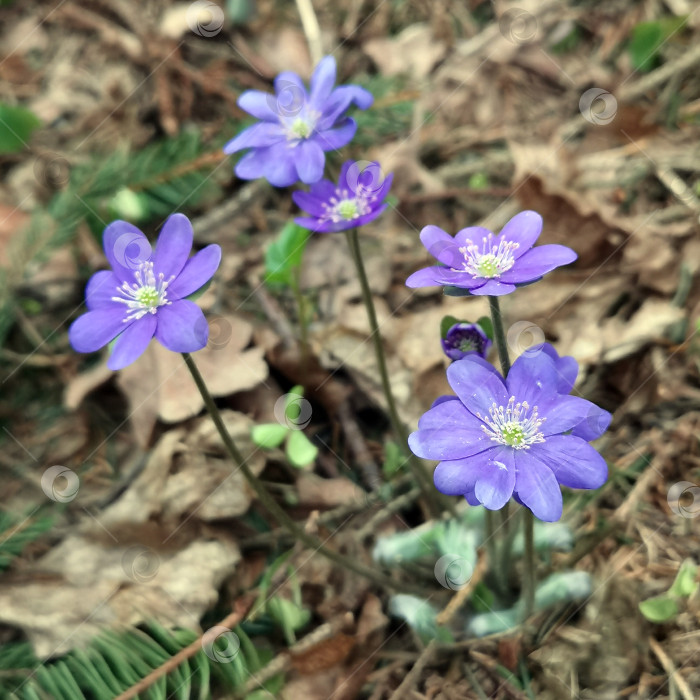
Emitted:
<point x="182" y="327"/>
<point x="198" y="270"/>
<point x="100" y="290"/>
<point x="573" y="461"/>
<point x="173" y="246"/>
<point x="95" y="329"/>
<point x="126" y="249"/>
<point x="537" y="487"/>
<point x="132" y="343"/>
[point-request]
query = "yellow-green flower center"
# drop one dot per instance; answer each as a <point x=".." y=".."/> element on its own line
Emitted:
<point x="148" y="296"/>
<point x="488" y="266"/>
<point x="300" y="128"/>
<point x="145" y="295"/>
<point x="513" y="434"/>
<point x="347" y="208"/>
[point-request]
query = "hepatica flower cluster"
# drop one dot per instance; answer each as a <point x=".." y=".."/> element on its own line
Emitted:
<point x="296" y="126"/>
<point x="143" y="295"/>
<point x="521" y="436"/>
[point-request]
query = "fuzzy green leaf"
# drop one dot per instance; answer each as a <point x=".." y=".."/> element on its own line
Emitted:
<point x="284" y="254"/>
<point x="660" y="608"/>
<point x="685" y="584"/>
<point x="486" y="325"/>
<point x="269" y="435"/>
<point x="300" y="451"/>
<point x="447" y="323"/>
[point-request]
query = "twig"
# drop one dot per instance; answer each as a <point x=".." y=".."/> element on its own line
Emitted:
<point x="353" y="434"/>
<point x="490" y="665"/>
<point x="387" y="511"/>
<point x="309" y="23"/>
<point x="686" y="60"/>
<point x="282" y="661"/>
<point x="205" y="226"/>
<point x="358" y="446"/>
<point x="412" y="677"/>
<point x="674" y="678"/>
<point x="463" y="593"/>
<point x="241" y="608"/>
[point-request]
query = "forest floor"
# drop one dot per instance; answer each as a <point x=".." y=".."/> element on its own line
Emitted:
<point x="586" y="112"/>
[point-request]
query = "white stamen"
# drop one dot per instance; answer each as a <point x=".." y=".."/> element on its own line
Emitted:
<point x="512" y="426"/>
<point x="493" y="259"/>
<point x="342" y="206"/>
<point x="145" y="295"/>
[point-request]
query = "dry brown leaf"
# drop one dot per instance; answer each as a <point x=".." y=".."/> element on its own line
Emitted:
<point x="327" y="493"/>
<point x="415" y="52"/>
<point x="159" y="384"/>
<point x="82" y="384"/>
<point x="98" y="586"/>
<point x="185" y="475"/>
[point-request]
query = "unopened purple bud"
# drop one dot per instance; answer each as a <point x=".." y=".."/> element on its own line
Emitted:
<point x="466" y="339"/>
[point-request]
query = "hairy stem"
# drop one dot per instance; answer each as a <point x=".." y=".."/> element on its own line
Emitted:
<point x="270" y="503"/>
<point x="528" y="589"/>
<point x="499" y="335"/>
<point x="429" y="493"/>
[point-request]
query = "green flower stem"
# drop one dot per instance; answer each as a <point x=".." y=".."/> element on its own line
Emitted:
<point x="529" y="579"/>
<point x="499" y="335"/>
<point x="490" y="537"/>
<point x="271" y="504"/>
<point x="429" y="492"/>
<point x="303" y="319"/>
<point x="528" y="589"/>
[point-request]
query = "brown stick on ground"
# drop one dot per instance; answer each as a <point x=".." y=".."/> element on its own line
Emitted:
<point x="241" y="608"/>
<point x="333" y="395"/>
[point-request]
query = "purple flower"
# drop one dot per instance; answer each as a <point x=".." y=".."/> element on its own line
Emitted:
<point x="464" y="339"/>
<point x="144" y="294"/>
<point x="482" y="263"/>
<point x="296" y="126"/>
<point x="500" y="438"/>
<point x="356" y="200"/>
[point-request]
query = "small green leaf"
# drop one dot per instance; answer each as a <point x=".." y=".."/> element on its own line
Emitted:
<point x="482" y="598"/>
<point x="420" y="615"/>
<point x="408" y="545"/>
<point x="486" y="325"/>
<point x="478" y="181"/>
<point x="447" y="323"/>
<point x="269" y="435"/>
<point x="392" y="459"/>
<point x="648" y="38"/>
<point x="685" y="584"/>
<point x="284" y="254"/>
<point x="288" y="615"/>
<point x="16" y="127"/>
<point x="661" y="608"/>
<point x="300" y="452"/>
<point x="129" y="205"/>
